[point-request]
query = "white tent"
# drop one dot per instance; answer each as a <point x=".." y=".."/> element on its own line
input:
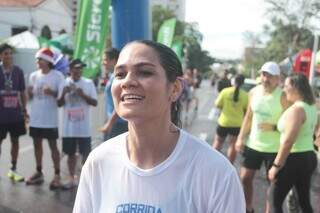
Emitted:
<point x="25" y="40"/>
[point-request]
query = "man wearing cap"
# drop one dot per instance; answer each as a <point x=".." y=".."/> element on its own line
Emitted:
<point x="266" y="104"/>
<point x="76" y="97"/>
<point x="43" y="90"/>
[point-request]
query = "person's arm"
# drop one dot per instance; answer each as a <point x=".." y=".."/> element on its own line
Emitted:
<point x="219" y="101"/>
<point x="291" y="130"/>
<point x="87" y="98"/>
<point x="61" y="100"/>
<point x="246" y="125"/>
<point x="48" y="91"/>
<point x="108" y="125"/>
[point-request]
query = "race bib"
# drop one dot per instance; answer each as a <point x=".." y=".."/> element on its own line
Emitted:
<point x="75" y="115"/>
<point x="10" y="102"/>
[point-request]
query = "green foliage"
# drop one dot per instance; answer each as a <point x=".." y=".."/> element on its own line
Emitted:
<point x="189" y="34"/>
<point x="289" y="31"/>
<point x="286" y="39"/>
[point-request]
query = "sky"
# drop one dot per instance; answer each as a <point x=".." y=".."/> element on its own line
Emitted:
<point x="223" y="22"/>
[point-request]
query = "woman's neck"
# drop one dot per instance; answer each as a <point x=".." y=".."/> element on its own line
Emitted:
<point x="150" y="145"/>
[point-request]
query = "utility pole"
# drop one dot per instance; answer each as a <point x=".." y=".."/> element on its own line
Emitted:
<point x="313" y="59"/>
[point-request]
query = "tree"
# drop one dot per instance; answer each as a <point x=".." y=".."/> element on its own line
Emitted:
<point x="296" y="18"/>
<point x="290" y="30"/>
<point x="186" y="32"/>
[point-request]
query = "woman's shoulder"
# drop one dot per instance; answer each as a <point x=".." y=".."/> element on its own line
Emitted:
<point x="108" y="149"/>
<point x="205" y="156"/>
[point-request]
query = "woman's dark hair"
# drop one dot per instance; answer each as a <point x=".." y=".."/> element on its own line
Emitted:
<point x="4" y="47"/>
<point x="172" y="65"/>
<point x="239" y="79"/>
<point x="301" y="83"/>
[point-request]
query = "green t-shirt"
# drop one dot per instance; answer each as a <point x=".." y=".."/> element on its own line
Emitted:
<point x="304" y="140"/>
<point x="232" y="113"/>
<point x="266" y="108"/>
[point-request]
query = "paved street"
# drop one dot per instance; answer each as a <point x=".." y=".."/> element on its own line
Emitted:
<point x="17" y="197"/>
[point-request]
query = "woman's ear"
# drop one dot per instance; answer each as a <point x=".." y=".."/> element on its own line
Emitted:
<point x="177" y="89"/>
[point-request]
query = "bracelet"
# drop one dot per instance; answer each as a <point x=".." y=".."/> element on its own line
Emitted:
<point x="276" y="165"/>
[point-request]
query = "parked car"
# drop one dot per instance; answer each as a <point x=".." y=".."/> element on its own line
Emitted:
<point x="249" y="84"/>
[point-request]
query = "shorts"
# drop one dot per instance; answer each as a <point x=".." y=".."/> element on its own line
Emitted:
<point x="47" y="133"/>
<point x="15" y="130"/>
<point x="70" y="145"/>
<point x="253" y="159"/>
<point x="224" y="131"/>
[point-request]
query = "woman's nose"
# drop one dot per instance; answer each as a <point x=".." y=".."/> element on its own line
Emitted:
<point x="129" y="81"/>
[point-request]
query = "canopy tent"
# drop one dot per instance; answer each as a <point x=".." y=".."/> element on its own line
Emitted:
<point x="25" y="40"/>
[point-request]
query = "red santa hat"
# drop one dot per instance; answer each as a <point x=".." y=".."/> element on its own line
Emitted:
<point x="45" y="54"/>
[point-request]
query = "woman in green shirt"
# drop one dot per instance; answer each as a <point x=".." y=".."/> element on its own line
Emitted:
<point x="296" y="159"/>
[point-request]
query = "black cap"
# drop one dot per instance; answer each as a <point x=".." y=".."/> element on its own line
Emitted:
<point x="77" y="63"/>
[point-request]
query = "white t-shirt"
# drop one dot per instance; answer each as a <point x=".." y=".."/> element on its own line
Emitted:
<point x="193" y="179"/>
<point x="44" y="109"/>
<point x="76" y="111"/>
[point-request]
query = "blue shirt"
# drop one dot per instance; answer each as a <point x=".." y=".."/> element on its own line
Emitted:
<point x="109" y="106"/>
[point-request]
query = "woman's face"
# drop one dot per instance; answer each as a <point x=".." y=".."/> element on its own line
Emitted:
<point x="289" y="90"/>
<point x="140" y="90"/>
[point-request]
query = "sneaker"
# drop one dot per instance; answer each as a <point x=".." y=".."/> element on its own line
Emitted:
<point x="55" y="183"/>
<point x="35" y="179"/>
<point x="15" y="176"/>
<point x="69" y="185"/>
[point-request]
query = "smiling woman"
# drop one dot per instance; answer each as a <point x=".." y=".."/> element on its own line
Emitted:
<point x="155" y="166"/>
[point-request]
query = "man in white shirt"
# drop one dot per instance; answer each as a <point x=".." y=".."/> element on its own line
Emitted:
<point x="43" y="90"/>
<point x="76" y="97"/>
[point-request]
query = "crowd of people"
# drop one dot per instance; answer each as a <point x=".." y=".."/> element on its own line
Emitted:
<point x="275" y="124"/>
<point x="148" y="161"/>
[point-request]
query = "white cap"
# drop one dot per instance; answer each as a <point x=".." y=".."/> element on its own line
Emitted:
<point x="271" y="68"/>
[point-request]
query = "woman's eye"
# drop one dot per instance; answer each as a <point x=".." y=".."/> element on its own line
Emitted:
<point x="145" y="72"/>
<point x="119" y="75"/>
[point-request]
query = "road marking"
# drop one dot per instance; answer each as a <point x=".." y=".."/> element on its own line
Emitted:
<point x="25" y="149"/>
<point x="203" y="136"/>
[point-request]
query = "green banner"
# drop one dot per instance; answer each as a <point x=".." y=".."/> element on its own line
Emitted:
<point x="166" y="32"/>
<point x="177" y="48"/>
<point x="91" y="33"/>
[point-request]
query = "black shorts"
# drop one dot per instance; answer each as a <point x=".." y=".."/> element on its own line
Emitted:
<point x="253" y="159"/>
<point x="47" y="133"/>
<point x="70" y="145"/>
<point x="15" y="130"/>
<point x="224" y="131"/>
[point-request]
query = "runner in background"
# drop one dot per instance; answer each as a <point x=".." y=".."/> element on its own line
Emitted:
<point x="114" y="125"/>
<point x="266" y="104"/>
<point x="13" y="111"/>
<point x="232" y="102"/>
<point x="44" y="85"/>
<point x="76" y="97"/>
<point x="223" y="82"/>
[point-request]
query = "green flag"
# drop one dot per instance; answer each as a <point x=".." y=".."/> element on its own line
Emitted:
<point x="166" y="32"/>
<point x="177" y="48"/>
<point x="43" y="42"/>
<point x="91" y="33"/>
